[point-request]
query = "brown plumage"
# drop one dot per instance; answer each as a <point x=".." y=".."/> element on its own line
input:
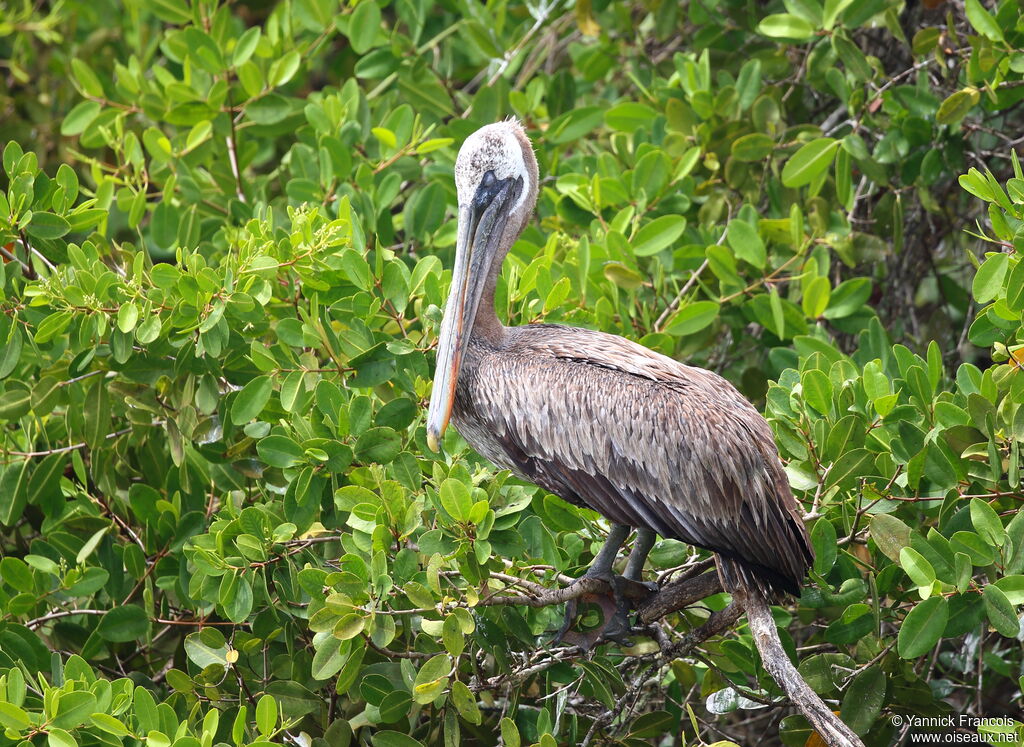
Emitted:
<point x="597" y="419"/>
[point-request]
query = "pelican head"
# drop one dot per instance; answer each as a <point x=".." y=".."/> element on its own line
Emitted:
<point x="496" y="181"/>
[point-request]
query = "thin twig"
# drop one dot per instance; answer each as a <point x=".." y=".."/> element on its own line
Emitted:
<point x="62" y="449"/>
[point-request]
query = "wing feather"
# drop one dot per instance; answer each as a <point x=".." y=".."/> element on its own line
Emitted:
<point x="640" y="438"/>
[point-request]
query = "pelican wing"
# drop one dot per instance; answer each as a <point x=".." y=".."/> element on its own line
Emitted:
<point x="642" y="439"/>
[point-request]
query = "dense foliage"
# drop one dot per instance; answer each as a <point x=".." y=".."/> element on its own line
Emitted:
<point x="225" y="229"/>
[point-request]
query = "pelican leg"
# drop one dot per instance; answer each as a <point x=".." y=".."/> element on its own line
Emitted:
<point x="641" y="548"/>
<point x="619" y="626"/>
<point x="601" y="568"/>
<point x="602" y="565"/>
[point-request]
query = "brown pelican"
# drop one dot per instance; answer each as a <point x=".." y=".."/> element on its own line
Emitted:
<point x="597" y="419"/>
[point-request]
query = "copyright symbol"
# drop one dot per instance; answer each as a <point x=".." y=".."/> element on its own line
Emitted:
<point x="897" y="720"/>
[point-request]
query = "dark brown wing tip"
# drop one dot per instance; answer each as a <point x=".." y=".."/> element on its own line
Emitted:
<point x="737" y="575"/>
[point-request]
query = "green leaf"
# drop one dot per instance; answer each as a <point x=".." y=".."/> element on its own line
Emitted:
<point x="1000" y="612"/>
<point x="753" y="147"/>
<point x="456" y="499"/>
<point x="10" y="353"/>
<point x="269" y="109"/>
<point x="848" y="298"/>
<point x="810" y="161"/>
<point x="16" y="572"/>
<point x="390" y="738"/>
<point x="285" y="67"/>
<point x="266" y="715"/>
<point x="622" y="275"/>
<point x="746" y="243"/>
<point x="922" y="628"/>
<point x="574" y="124"/>
<point x="823" y="539"/>
<point x="863" y="700"/>
<point x="205" y="649"/>
<point x="80" y="117"/>
<point x="917" y="567"/>
<point x="429" y="146"/>
<point x="817" y="390"/>
<point x="163" y="226"/>
<point x="748" y="85"/>
<point x="465" y="702"/>
<point x="236" y="597"/>
<point x="363" y="26"/>
<point x="97" y="413"/>
<point x="978" y="550"/>
<point x="127" y="317"/>
<point x="691" y="318"/>
<point x="91" y="544"/>
<point x="60" y="738"/>
<point x="251" y="400"/>
<point x="106" y="722"/>
<point x="47" y="226"/>
<point x="956" y="106"/>
<point x="510" y="732"/>
<point x="785" y="26"/>
<point x="890" y="535"/>
<point x="833" y="8"/>
<point x="1014" y="289"/>
<point x="13" y="491"/>
<point x="13" y="717"/>
<point x="432" y="678"/>
<point x="658" y="235"/>
<point x="246" y="45"/>
<point x="122" y="624"/>
<point x="988" y="281"/>
<point x="86" y="79"/>
<point x="816" y="297"/>
<point x="73" y="708"/>
<point x="1013" y="588"/>
<point x="172" y="11"/>
<point x="378" y="445"/>
<point x="630" y="117"/>
<point x="849" y="467"/>
<point x="452" y="636"/>
<point x="982" y="21"/>
<point x="280" y="451"/>
<point x="987" y="523"/>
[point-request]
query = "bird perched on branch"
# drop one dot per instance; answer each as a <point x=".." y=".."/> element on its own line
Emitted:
<point x="603" y="422"/>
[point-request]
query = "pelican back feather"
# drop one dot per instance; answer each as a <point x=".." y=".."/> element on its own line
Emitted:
<point x="640" y="438"/>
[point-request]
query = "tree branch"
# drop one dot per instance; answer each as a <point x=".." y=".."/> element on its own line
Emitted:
<point x="679" y="594"/>
<point x="776" y="662"/>
<point x="675" y="596"/>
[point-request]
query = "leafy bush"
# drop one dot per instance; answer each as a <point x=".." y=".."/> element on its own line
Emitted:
<point x="225" y="229"/>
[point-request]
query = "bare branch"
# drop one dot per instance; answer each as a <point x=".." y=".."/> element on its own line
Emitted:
<point x="679" y="594"/>
<point x="776" y="662"/>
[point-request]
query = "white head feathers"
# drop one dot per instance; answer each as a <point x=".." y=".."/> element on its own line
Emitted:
<point x="496" y="147"/>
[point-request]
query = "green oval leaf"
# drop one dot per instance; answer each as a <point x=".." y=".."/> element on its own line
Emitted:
<point x="808" y="162"/>
<point x="657" y="235"/>
<point x="123" y="624"/>
<point x="47" y="226"/>
<point x="692" y="318"/>
<point x="922" y="628"/>
<point x="1000" y="612"/>
<point x="251" y="400"/>
<point x="786" y="26"/>
<point x="753" y="147"/>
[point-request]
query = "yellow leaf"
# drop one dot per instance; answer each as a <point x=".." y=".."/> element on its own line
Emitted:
<point x="585" y="20"/>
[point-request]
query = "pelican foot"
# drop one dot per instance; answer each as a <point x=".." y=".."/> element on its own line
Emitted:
<point x="622" y="597"/>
